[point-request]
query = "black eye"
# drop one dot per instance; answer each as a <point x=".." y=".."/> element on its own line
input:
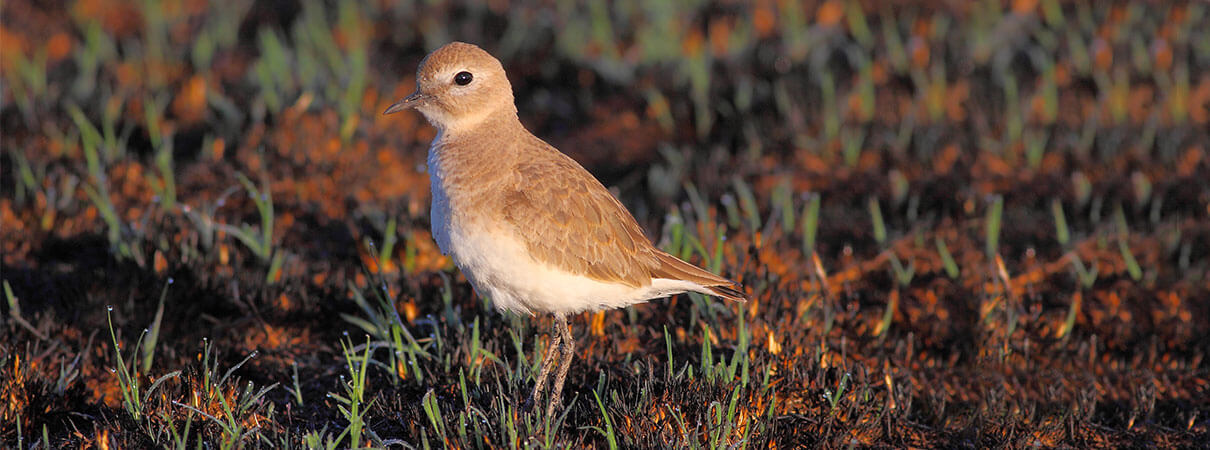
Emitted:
<point x="463" y="78"/>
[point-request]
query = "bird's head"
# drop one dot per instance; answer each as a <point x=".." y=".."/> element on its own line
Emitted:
<point x="458" y="86"/>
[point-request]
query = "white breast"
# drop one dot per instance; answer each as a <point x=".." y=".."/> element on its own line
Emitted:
<point x="439" y="213"/>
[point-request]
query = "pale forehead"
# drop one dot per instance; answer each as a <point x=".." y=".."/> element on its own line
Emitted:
<point x="456" y="56"/>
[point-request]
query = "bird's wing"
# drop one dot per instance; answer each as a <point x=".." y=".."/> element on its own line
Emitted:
<point x="569" y="220"/>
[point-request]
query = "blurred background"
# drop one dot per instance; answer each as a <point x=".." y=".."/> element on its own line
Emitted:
<point x="962" y="223"/>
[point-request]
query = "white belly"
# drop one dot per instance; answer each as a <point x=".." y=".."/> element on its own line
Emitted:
<point x="499" y="267"/>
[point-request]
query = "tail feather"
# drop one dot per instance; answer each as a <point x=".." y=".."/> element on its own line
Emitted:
<point x="674" y="268"/>
<point x="730" y="293"/>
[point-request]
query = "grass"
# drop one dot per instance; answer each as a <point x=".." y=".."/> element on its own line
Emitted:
<point x="878" y="177"/>
<point x="353" y="404"/>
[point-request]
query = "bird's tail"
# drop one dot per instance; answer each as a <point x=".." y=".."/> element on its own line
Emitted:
<point x="674" y="268"/>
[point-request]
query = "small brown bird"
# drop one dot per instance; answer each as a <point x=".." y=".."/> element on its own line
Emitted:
<point x="529" y="227"/>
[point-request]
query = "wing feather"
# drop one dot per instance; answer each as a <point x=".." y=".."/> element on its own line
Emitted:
<point x="567" y="219"/>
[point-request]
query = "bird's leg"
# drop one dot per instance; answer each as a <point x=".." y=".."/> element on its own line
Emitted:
<point x="547" y="364"/>
<point x="569" y="352"/>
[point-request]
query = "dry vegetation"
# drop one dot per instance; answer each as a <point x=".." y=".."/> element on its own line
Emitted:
<point x="962" y="224"/>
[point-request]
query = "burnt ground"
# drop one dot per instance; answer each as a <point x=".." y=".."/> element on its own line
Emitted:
<point x="959" y="225"/>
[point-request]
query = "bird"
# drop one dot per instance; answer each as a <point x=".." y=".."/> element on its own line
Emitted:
<point x="528" y="226"/>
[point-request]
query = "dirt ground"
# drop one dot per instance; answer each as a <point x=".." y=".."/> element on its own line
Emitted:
<point x="960" y="225"/>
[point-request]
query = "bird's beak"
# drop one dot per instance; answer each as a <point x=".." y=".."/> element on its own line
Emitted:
<point x="407" y="103"/>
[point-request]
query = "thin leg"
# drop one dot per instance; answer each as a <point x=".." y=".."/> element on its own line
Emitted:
<point x="569" y="352"/>
<point x="547" y="364"/>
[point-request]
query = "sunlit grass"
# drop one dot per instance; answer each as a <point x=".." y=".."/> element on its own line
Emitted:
<point x="809" y="151"/>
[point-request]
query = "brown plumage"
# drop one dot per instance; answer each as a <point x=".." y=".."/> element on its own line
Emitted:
<point x="588" y="231"/>
<point x="529" y="227"/>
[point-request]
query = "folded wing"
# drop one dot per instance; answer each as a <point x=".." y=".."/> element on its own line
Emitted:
<point x="586" y="231"/>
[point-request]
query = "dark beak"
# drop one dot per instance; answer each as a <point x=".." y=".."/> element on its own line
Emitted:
<point x="407" y="103"/>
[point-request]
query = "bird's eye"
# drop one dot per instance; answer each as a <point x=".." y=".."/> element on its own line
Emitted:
<point x="463" y="78"/>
